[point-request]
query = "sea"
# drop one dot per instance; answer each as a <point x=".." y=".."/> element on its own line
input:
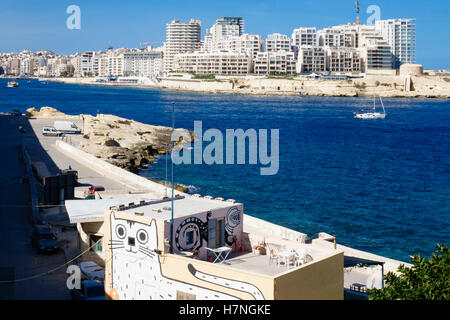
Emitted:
<point x="381" y="186"/>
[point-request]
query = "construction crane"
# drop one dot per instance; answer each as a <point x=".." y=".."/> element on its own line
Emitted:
<point x="148" y="43"/>
<point x="357" y="11"/>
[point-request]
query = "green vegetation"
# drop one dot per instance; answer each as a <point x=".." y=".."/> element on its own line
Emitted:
<point x="425" y="280"/>
<point x="204" y="76"/>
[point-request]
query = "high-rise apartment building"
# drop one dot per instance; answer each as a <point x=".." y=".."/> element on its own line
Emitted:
<point x="232" y="21"/>
<point x="218" y="34"/>
<point x="400" y="34"/>
<point x="181" y="38"/>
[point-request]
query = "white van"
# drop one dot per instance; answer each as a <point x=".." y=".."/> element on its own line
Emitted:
<point x="66" y="127"/>
<point x="50" y="131"/>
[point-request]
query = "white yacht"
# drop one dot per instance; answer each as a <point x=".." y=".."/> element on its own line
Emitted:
<point x="371" y="113"/>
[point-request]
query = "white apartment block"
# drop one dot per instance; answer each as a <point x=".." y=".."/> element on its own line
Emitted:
<point x="278" y="42"/>
<point x="181" y="38"/>
<point x="143" y="63"/>
<point x="115" y="65"/>
<point x="25" y="67"/>
<point x="280" y="62"/>
<point x="376" y="52"/>
<point x="343" y="60"/>
<point x="250" y="44"/>
<point x="338" y="36"/>
<point x="222" y="63"/>
<point x="400" y="34"/>
<point x="87" y="64"/>
<point x="305" y="36"/>
<point x="219" y="33"/>
<point x="311" y="59"/>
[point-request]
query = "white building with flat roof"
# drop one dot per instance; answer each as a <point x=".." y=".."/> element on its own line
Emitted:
<point x="273" y="63"/>
<point x="181" y="38"/>
<point x="305" y="36"/>
<point x="220" y="62"/>
<point x="278" y="42"/>
<point x="400" y="34"/>
<point x="311" y="59"/>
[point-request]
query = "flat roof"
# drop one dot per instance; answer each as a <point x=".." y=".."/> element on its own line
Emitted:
<point x="83" y="211"/>
<point x="183" y="207"/>
<point x="93" y="210"/>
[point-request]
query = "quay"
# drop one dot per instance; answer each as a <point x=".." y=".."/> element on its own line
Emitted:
<point x="262" y="260"/>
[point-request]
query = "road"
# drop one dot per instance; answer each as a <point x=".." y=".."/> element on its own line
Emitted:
<point x="18" y="258"/>
<point x="49" y="160"/>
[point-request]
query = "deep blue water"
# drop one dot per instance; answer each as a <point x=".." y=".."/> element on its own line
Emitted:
<point x="382" y="186"/>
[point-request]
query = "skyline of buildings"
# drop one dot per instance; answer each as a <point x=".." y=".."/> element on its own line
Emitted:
<point x="226" y="49"/>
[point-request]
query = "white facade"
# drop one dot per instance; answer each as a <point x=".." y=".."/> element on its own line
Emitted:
<point x="338" y="36"/>
<point x="181" y="38"/>
<point x="304" y="37"/>
<point x="223" y="63"/>
<point x="143" y="63"/>
<point x="280" y="62"/>
<point x="311" y="59"/>
<point x="278" y="42"/>
<point x="250" y="44"/>
<point x="219" y="33"/>
<point x="400" y="34"/>
<point x="343" y="60"/>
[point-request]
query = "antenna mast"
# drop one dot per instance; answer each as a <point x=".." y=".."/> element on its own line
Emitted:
<point x="171" y="220"/>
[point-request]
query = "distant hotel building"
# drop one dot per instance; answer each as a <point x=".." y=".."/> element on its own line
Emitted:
<point x="278" y="42"/>
<point x="224" y="29"/>
<point x="181" y="38"/>
<point x="343" y="60"/>
<point x="229" y="21"/>
<point x="281" y="62"/>
<point x="311" y="59"/>
<point x="224" y="63"/>
<point x="400" y="34"/>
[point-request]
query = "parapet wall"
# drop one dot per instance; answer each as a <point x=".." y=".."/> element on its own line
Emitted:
<point x="264" y="230"/>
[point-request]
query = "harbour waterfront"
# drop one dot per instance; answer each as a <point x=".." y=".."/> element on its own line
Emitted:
<point x="380" y="186"/>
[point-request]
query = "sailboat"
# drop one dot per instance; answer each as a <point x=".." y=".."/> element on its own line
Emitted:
<point x="371" y="113"/>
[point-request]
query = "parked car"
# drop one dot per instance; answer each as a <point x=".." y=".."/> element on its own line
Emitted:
<point x="66" y="127"/>
<point x="92" y="271"/>
<point x="93" y="189"/>
<point x="89" y="290"/>
<point x="50" y="131"/>
<point x="44" y="239"/>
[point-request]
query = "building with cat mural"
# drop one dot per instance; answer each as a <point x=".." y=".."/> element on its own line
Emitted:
<point x="213" y="251"/>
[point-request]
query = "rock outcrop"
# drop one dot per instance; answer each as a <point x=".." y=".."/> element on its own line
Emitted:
<point x="47" y="112"/>
<point x="122" y="142"/>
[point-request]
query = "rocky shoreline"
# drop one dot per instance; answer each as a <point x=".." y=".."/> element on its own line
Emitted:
<point x="125" y="143"/>
<point x="431" y="87"/>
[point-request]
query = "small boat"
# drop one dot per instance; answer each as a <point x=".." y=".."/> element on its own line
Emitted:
<point x="13" y="84"/>
<point x="371" y="113"/>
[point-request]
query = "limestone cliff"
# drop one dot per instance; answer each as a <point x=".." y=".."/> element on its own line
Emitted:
<point x="122" y="142"/>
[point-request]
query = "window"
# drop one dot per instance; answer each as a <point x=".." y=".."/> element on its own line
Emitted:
<point x="190" y="237"/>
<point x="96" y="243"/>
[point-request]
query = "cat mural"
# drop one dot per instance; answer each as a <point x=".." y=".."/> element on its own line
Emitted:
<point x="136" y="269"/>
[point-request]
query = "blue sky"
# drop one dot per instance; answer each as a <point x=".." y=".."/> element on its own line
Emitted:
<point x="39" y="25"/>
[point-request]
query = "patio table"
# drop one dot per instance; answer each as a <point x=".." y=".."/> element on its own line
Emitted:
<point x="221" y="253"/>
